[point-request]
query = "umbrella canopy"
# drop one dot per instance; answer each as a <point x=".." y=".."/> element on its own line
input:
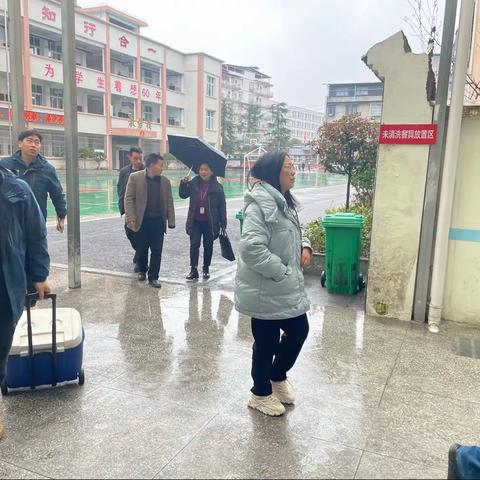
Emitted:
<point x="193" y="151"/>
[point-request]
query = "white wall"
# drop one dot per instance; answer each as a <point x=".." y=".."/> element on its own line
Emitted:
<point x="462" y="286"/>
<point x="400" y="182"/>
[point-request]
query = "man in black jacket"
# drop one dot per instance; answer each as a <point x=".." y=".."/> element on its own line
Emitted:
<point x="29" y="165"/>
<point x="135" y="156"/>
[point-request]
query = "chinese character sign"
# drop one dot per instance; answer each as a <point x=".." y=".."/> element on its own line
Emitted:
<point x="133" y="90"/>
<point x="100" y="82"/>
<point x="405" y="134"/>
<point x="123" y="41"/>
<point x="117" y="86"/>
<point x="79" y="77"/>
<point x="89" y="28"/>
<point x="49" y="70"/>
<point x="158" y="95"/>
<point x="48" y="14"/>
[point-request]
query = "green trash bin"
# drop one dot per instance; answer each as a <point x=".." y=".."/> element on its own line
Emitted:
<point x="342" y="253"/>
<point x="239" y="217"/>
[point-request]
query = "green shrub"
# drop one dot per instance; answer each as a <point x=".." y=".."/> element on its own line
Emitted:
<point x="315" y="232"/>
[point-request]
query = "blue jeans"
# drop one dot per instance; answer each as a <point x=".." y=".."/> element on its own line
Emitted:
<point x="7" y="329"/>
<point x="468" y="462"/>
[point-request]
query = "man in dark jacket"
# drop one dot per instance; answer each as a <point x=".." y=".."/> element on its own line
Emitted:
<point x="29" y="165"/>
<point x="136" y="164"/>
<point x="23" y="256"/>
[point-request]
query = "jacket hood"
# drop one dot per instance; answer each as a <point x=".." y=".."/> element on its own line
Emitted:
<point x="268" y="198"/>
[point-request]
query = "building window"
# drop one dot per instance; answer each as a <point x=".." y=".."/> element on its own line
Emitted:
<point x="35" y="45"/>
<point x="210" y="120"/>
<point x="95" y="104"/>
<point x="350" y="108"/>
<point x="342" y="92"/>
<point x="210" y="86"/>
<point x="56" y="98"/>
<point x="147" y="113"/>
<point x="37" y="94"/>
<point x="331" y="110"/>
<point x="54" y="50"/>
<point x="375" y="109"/>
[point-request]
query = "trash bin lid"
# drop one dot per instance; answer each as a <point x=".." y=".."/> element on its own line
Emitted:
<point x="343" y="220"/>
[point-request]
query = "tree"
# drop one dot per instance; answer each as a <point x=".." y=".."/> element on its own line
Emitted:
<point x="279" y="135"/>
<point x="252" y="118"/>
<point x="348" y="146"/>
<point x="424" y="22"/>
<point x="229" y="142"/>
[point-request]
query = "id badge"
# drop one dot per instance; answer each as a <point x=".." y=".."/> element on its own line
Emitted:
<point x="202" y="210"/>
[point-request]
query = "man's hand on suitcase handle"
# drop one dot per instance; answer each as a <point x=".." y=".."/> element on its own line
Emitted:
<point x="42" y="289"/>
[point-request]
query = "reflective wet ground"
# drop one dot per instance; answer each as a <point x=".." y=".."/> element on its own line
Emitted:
<point x="167" y="380"/>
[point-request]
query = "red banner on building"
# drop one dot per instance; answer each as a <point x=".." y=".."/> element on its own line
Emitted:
<point x="408" y="134"/>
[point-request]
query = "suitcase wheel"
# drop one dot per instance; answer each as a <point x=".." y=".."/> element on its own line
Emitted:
<point x="81" y="377"/>
<point x="4" y="388"/>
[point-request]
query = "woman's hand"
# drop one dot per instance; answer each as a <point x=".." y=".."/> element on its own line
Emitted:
<point x="186" y="179"/>
<point x="306" y="257"/>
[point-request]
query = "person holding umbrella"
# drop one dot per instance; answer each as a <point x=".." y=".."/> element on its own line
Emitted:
<point x="207" y="216"/>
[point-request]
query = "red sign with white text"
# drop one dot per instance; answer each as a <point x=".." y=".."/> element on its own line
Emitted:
<point x="408" y="134"/>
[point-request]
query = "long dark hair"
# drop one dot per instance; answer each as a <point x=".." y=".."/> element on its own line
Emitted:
<point x="268" y="168"/>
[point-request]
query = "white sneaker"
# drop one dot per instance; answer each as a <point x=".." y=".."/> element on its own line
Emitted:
<point x="268" y="405"/>
<point x="283" y="391"/>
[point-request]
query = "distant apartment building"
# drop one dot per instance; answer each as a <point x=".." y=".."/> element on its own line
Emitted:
<point x="244" y="86"/>
<point x="348" y="98"/>
<point x="132" y="90"/>
<point x="303" y="123"/>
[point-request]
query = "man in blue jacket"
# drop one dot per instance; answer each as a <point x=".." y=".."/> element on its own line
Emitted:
<point x="23" y="256"/>
<point x="41" y="175"/>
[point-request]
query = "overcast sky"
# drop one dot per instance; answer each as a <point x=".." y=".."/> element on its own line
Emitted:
<point x="301" y="44"/>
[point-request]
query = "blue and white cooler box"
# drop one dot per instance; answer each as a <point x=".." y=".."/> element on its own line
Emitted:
<point x="70" y="337"/>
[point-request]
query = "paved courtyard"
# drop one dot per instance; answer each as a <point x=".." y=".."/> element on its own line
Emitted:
<point x="167" y="380"/>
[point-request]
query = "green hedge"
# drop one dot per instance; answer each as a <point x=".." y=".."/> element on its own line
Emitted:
<point x="315" y="232"/>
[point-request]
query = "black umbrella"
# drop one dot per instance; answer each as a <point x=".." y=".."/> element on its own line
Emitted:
<point x="193" y="151"/>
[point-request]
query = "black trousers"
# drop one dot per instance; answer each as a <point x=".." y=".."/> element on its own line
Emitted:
<point x="199" y="230"/>
<point x="130" y="234"/>
<point x="150" y="236"/>
<point x="273" y="356"/>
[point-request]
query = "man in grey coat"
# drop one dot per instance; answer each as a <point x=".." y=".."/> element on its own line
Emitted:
<point x="148" y="210"/>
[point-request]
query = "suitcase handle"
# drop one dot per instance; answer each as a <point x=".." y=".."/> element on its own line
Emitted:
<point x="53" y="298"/>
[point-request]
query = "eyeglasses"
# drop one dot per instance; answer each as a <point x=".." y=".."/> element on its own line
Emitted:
<point x="33" y="141"/>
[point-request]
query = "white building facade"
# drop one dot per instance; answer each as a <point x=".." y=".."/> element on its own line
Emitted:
<point x="304" y="123"/>
<point x="131" y="90"/>
<point x="245" y="86"/>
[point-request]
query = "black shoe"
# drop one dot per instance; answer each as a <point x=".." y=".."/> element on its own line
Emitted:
<point x="206" y="273"/>
<point x="142" y="276"/>
<point x="452" y="462"/>
<point x="155" y="283"/>
<point x="193" y="275"/>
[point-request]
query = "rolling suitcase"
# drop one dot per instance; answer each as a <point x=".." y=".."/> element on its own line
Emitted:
<point x="47" y="348"/>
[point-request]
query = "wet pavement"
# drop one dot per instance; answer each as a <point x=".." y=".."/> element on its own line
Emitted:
<point x="168" y="377"/>
<point x="106" y="249"/>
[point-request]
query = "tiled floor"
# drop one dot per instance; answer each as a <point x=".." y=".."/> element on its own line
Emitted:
<point x="168" y="376"/>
